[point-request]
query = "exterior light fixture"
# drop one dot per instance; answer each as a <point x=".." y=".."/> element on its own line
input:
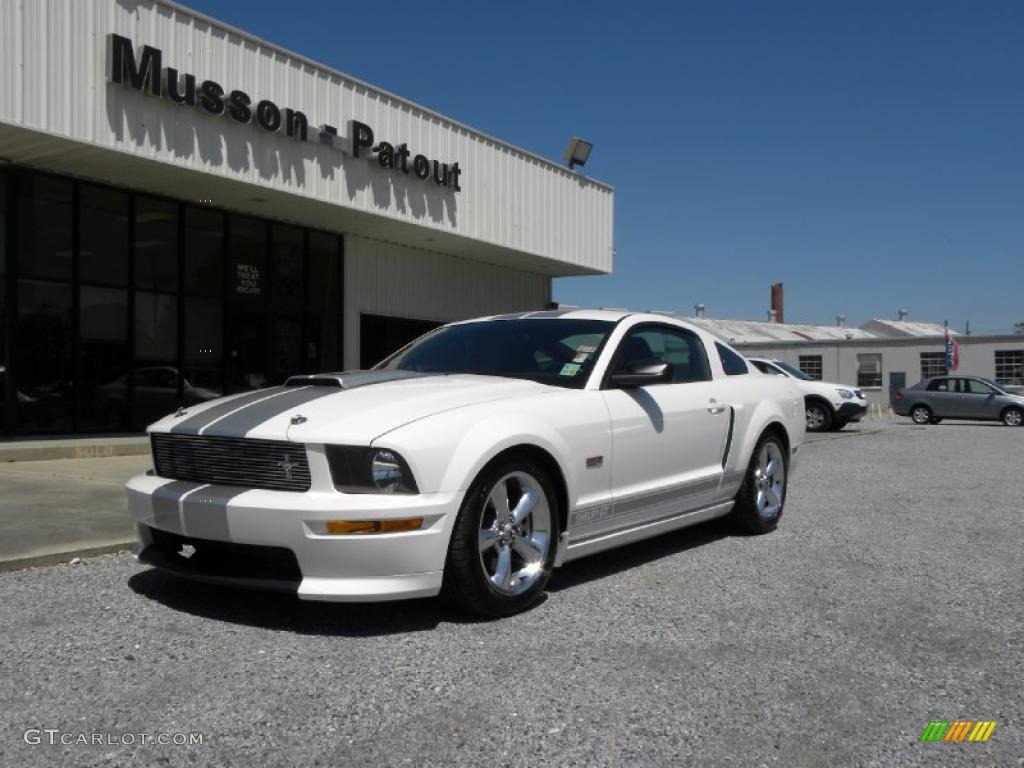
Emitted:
<point x="578" y="152"/>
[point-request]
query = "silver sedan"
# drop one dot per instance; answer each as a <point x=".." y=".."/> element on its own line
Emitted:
<point x="959" y="397"/>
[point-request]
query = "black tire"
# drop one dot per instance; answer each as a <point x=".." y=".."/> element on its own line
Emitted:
<point x="1012" y="416"/>
<point x="467" y="586"/>
<point x="921" y="414"/>
<point x="747" y="516"/>
<point x="818" y="415"/>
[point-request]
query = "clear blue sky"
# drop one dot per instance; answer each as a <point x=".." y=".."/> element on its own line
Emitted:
<point x="868" y="154"/>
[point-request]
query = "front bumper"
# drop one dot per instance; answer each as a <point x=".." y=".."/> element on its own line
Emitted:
<point x="390" y="566"/>
<point x="848" y="411"/>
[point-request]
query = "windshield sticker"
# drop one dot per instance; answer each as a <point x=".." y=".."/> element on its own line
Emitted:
<point x="569" y="369"/>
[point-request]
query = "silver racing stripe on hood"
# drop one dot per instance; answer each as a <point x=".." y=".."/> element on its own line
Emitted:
<point x="239" y="422"/>
<point x="239" y="415"/>
<point x="193" y="424"/>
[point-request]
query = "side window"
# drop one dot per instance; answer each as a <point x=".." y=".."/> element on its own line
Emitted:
<point x="939" y="385"/>
<point x="765" y="368"/>
<point x="682" y="350"/>
<point x="732" y="363"/>
<point x="976" y="387"/>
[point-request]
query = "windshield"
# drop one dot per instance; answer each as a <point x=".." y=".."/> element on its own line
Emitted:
<point x="551" y="351"/>
<point x="796" y="373"/>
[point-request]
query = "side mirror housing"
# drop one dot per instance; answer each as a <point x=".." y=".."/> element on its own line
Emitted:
<point x="640" y="374"/>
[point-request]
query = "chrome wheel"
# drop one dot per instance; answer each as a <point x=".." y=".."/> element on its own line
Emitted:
<point x="815" y="416"/>
<point x="770" y="481"/>
<point x="1013" y="417"/>
<point x="921" y="415"/>
<point x="515" y="533"/>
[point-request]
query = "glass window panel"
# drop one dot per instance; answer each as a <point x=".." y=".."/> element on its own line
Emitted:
<point x="156" y="245"/>
<point x="204" y="351"/>
<point x="41" y="360"/>
<point x="1009" y="366"/>
<point x="156" y="326"/>
<point x="869" y="370"/>
<point x="286" y="248"/>
<point x="103" y="236"/>
<point x="811" y="365"/>
<point x="204" y="252"/>
<point x="933" y="364"/>
<point x="103" y="314"/>
<point x="324" y="266"/>
<point x="44" y="227"/>
<point x="323" y="330"/>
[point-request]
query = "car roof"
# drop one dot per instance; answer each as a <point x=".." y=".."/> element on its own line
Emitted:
<point x="609" y="315"/>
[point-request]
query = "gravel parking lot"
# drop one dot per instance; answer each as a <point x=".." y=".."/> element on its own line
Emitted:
<point x="890" y="596"/>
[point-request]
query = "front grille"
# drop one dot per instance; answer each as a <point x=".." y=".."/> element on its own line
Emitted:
<point x="276" y="465"/>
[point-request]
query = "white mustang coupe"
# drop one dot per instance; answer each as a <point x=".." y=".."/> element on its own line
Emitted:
<point x="471" y="462"/>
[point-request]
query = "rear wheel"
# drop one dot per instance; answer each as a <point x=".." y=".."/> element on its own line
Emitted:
<point x="762" y="496"/>
<point x="503" y="543"/>
<point x="921" y="414"/>
<point x="1013" y="417"/>
<point x="819" y="416"/>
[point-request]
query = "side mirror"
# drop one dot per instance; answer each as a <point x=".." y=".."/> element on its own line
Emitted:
<point x="640" y="374"/>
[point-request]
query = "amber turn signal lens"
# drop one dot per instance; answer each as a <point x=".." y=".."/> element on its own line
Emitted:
<point x="374" y="526"/>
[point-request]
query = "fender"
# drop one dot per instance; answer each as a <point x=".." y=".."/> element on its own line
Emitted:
<point x="451" y="467"/>
<point x="764" y="413"/>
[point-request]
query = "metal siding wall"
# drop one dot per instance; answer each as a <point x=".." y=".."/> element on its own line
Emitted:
<point x="387" y="279"/>
<point x="509" y="198"/>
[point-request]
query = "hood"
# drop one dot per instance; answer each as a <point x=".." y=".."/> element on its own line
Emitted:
<point x="335" y="411"/>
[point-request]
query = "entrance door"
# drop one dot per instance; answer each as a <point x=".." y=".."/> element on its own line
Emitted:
<point x="897" y="380"/>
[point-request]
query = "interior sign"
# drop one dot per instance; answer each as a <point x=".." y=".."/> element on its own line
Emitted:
<point x="147" y="74"/>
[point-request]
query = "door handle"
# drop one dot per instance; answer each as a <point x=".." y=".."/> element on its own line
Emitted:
<point x="715" y="407"/>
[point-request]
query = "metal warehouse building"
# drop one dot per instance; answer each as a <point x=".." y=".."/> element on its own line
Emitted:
<point x="879" y="356"/>
<point x="187" y="210"/>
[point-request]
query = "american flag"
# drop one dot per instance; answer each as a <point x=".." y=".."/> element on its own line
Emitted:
<point x="952" y="352"/>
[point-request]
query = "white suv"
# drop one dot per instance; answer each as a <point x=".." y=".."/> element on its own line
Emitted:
<point x="828" y="406"/>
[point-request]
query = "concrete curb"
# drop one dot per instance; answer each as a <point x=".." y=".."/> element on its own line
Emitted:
<point x="54" y="558"/>
<point x="45" y="450"/>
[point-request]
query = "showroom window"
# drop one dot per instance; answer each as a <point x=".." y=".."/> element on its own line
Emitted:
<point x="119" y="306"/>
<point x="811" y="365"/>
<point x="1009" y="366"/>
<point x="869" y="370"/>
<point x="933" y="364"/>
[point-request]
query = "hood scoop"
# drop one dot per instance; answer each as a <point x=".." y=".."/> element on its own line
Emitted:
<point x="350" y="379"/>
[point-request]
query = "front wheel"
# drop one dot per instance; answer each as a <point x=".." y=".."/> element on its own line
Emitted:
<point x="502" y="548"/>
<point x="1013" y="417"/>
<point x="819" y="418"/>
<point x="762" y="496"/>
<point x="921" y="414"/>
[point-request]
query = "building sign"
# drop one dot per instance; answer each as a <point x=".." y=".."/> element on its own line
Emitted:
<point x="247" y="280"/>
<point x="147" y="74"/>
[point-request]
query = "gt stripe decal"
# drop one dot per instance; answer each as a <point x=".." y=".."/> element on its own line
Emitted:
<point x="251" y="416"/>
<point x="629" y="504"/>
<point x="193" y="424"/>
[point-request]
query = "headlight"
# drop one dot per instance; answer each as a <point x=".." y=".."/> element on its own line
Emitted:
<point x="369" y="470"/>
<point x="845" y="394"/>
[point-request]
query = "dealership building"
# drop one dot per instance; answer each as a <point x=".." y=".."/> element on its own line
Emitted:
<point x="187" y="210"/>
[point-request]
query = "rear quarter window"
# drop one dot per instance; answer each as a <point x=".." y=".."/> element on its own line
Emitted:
<point x="732" y="363"/>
